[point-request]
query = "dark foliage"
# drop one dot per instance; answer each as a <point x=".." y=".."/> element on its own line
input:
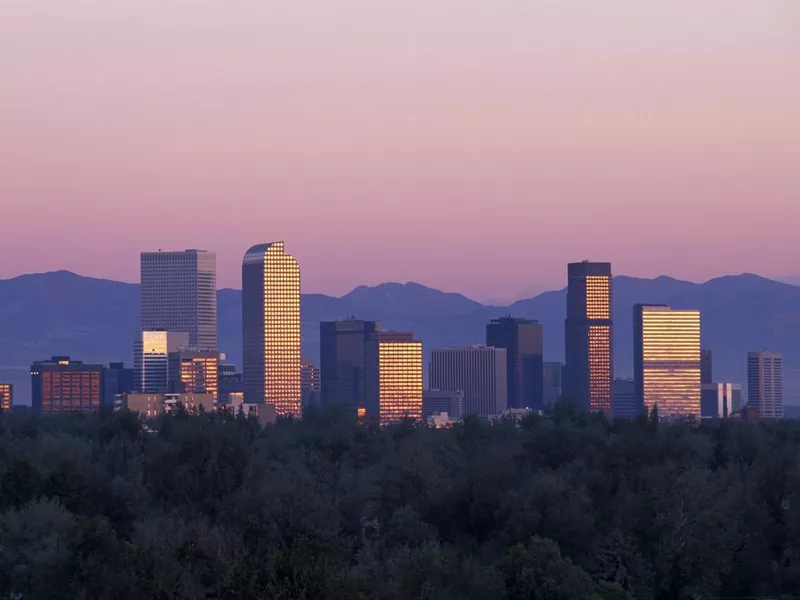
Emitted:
<point x="561" y="506"/>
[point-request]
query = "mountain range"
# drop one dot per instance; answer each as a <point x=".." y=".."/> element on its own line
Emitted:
<point x="94" y="320"/>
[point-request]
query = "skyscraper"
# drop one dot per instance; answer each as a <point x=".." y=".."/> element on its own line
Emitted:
<point x="666" y="359"/>
<point x="552" y="372"/>
<point x="271" y="328"/>
<point x="194" y="372"/>
<point x="480" y="372"/>
<point x="765" y="384"/>
<point x="179" y="293"/>
<point x="394" y="377"/>
<point x="65" y="385"/>
<point x="343" y="361"/>
<point x="6" y="397"/>
<point x="151" y="351"/>
<point x="522" y="340"/>
<point x="588" y="336"/>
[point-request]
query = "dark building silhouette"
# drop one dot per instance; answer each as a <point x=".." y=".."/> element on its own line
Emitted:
<point x="230" y="383"/>
<point x="552" y="372"/>
<point x="343" y="361"/>
<point x="588" y="336"/>
<point x="442" y="401"/>
<point x="706" y="370"/>
<point x="522" y="340"/>
<point x="309" y="383"/>
<point x="117" y="380"/>
<point x="64" y="385"/>
<point x="478" y="371"/>
<point x="624" y="399"/>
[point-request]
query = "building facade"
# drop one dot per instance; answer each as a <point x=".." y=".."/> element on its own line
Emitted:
<point x="588" y="336"/>
<point x="343" y="361"/>
<point x="552" y="375"/>
<point x="194" y="372"/>
<point x="478" y="371"/>
<point x="117" y="380"/>
<point x="721" y="400"/>
<point x="6" y="397"/>
<point x="522" y="340"/>
<point x="179" y="293"/>
<point x="271" y="328"/>
<point x="151" y="351"/>
<point x="666" y="360"/>
<point x="765" y="384"/>
<point x="394" y="377"/>
<point x="153" y="405"/>
<point x="624" y="399"/>
<point x="65" y="385"/>
<point x="436" y="402"/>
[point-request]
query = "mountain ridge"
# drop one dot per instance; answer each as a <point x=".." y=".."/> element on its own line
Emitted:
<point x="94" y="319"/>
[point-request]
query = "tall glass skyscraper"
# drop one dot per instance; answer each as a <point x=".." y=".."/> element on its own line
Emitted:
<point x="522" y="339"/>
<point x="588" y="336"/>
<point x="765" y="384"/>
<point x="343" y="362"/>
<point x="271" y="328"/>
<point x="666" y="360"/>
<point x="179" y="293"/>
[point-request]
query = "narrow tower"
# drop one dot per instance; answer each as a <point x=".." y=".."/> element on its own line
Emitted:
<point x="271" y="328"/>
<point x="588" y="336"/>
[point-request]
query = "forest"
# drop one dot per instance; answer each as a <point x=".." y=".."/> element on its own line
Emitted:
<point x="562" y="505"/>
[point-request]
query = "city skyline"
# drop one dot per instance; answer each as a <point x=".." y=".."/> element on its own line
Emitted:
<point x="486" y="111"/>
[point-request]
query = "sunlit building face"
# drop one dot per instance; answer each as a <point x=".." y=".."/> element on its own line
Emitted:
<point x="400" y="380"/>
<point x="667" y="360"/>
<point x="588" y="371"/>
<point x="195" y="372"/>
<point x="271" y="328"/>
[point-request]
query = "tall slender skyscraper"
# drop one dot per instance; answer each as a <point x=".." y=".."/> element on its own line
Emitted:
<point x="271" y="328"/>
<point x="765" y="384"/>
<point x="478" y="371"/>
<point x="179" y="293"/>
<point x="343" y="362"/>
<point x="588" y="336"/>
<point x="666" y="360"/>
<point x="522" y="340"/>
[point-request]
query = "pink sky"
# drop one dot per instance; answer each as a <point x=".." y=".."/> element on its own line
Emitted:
<point x="471" y="145"/>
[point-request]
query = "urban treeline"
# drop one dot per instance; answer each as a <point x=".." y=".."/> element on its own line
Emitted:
<point x="562" y="505"/>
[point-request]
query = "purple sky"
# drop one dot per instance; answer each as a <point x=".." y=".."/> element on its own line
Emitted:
<point x="472" y="145"/>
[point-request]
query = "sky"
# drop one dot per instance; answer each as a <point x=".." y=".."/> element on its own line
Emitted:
<point x="474" y="146"/>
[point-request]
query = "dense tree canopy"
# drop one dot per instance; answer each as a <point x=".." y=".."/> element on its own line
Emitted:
<point x="560" y="506"/>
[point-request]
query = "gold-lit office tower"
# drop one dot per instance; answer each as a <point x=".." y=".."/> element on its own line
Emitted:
<point x="666" y="357"/>
<point x="271" y="328"/>
<point x="6" y="397"/>
<point x="588" y="336"/>
<point x="394" y="373"/>
<point x="194" y="372"/>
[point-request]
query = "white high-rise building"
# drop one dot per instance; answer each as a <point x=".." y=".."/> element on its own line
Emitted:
<point x="480" y="372"/>
<point x="765" y="384"/>
<point x="151" y="351"/>
<point x="179" y="293"/>
<point x="271" y="359"/>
